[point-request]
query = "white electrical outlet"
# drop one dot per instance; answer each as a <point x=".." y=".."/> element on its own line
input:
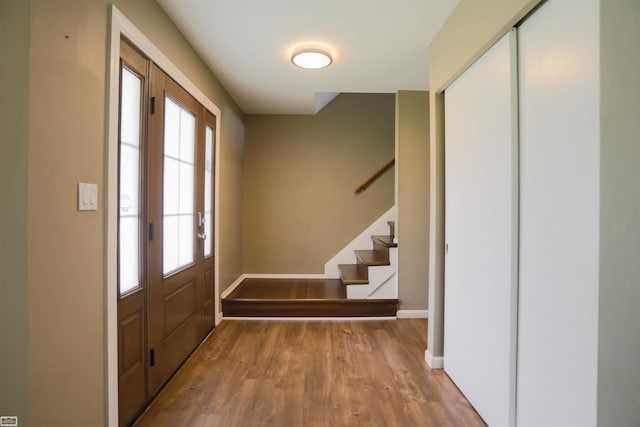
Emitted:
<point x="87" y="197"/>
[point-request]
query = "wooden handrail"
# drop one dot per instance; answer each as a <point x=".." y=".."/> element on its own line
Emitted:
<point x="375" y="176"/>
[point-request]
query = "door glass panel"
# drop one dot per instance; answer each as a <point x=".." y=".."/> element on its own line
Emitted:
<point x="178" y="187"/>
<point x="208" y="179"/>
<point x="129" y="181"/>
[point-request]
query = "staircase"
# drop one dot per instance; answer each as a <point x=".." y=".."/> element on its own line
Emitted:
<point x="374" y="273"/>
<point x="359" y="281"/>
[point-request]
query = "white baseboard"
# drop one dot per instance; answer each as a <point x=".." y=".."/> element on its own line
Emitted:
<point x="434" y="362"/>
<point x="413" y="314"/>
<point x="231" y="288"/>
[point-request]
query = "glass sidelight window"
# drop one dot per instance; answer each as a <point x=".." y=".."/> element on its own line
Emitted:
<point x="129" y="181"/>
<point x="208" y="180"/>
<point x="178" y="186"/>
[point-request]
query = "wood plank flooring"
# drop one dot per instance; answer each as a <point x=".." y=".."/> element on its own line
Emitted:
<point x="289" y="289"/>
<point x="311" y="374"/>
<point x="301" y="298"/>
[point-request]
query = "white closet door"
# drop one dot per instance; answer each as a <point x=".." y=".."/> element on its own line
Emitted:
<point x="559" y="191"/>
<point x="480" y="269"/>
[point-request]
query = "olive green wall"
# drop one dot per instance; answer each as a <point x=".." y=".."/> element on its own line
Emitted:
<point x="618" y="337"/>
<point x="66" y="256"/>
<point x="299" y="177"/>
<point x="412" y="175"/>
<point x="14" y="123"/>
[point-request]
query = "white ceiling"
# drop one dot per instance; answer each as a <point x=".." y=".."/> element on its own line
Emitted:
<point x="380" y="46"/>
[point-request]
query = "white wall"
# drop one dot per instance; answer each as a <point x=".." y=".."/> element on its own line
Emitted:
<point x="479" y="315"/>
<point x="559" y="238"/>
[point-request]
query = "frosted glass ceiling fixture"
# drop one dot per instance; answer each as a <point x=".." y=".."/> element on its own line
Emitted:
<point x="312" y="58"/>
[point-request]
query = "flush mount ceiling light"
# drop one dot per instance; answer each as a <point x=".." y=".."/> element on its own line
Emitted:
<point x="312" y="58"/>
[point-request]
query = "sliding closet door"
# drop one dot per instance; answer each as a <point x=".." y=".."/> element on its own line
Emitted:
<point x="481" y="215"/>
<point x="559" y="146"/>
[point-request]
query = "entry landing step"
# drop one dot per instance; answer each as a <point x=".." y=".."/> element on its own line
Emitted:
<point x="301" y="298"/>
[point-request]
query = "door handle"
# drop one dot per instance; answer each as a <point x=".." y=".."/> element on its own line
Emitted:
<point x="201" y="236"/>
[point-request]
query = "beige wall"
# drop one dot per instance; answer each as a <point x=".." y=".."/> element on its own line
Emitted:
<point x="470" y="30"/>
<point x="619" y="341"/>
<point x="14" y="123"/>
<point x="299" y="177"/>
<point x="412" y="175"/>
<point x="66" y="356"/>
<point x="231" y="203"/>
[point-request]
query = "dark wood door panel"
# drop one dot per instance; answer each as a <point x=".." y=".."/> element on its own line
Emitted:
<point x="179" y="309"/>
<point x="208" y="302"/>
<point x="131" y="342"/>
<point x="131" y="356"/>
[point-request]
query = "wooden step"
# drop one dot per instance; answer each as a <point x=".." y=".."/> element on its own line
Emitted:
<point x="372" y="257"/>
<point x="386" y="241"/>
<point x="354" y="274"/>
<point x="301" y="298"/>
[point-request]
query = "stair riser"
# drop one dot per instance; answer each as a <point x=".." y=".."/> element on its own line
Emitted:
<point x="388" y="288"/>
<point x="308" y="309"/>
<point x="378" y="275"/>
<point x="377" y="246"/>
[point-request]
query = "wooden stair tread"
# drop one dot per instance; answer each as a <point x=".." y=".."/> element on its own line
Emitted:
<point x="372" y="257"/>
<point x="354" y="274"/>
<point x="385" y="241"/>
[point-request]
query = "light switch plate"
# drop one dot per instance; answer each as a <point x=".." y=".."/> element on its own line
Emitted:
<point x="87" y="197"/>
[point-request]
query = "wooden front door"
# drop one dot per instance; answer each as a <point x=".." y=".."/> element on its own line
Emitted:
<point x="166" y="300"/>
<point x="176" y="216"/>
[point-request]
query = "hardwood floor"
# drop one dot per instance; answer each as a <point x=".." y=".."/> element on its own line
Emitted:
<point x="301" y="298"/>
<point x="311" y="373"/>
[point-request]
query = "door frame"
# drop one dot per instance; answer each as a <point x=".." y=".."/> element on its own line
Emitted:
<point x="120" y="26"/>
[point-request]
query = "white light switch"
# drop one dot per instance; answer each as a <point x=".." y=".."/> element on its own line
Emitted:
<point x="87" y="197"/>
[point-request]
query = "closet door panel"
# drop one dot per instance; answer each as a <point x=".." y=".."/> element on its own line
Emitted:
<point x="559" y="222"/>
<point x="479" y="328"/>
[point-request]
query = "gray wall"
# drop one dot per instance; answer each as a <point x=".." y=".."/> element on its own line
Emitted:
<point x="619" y="340"/>
<point x="299" y="177"/>
<point x="14" y="123"/>
<point x="412" y="175"/>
